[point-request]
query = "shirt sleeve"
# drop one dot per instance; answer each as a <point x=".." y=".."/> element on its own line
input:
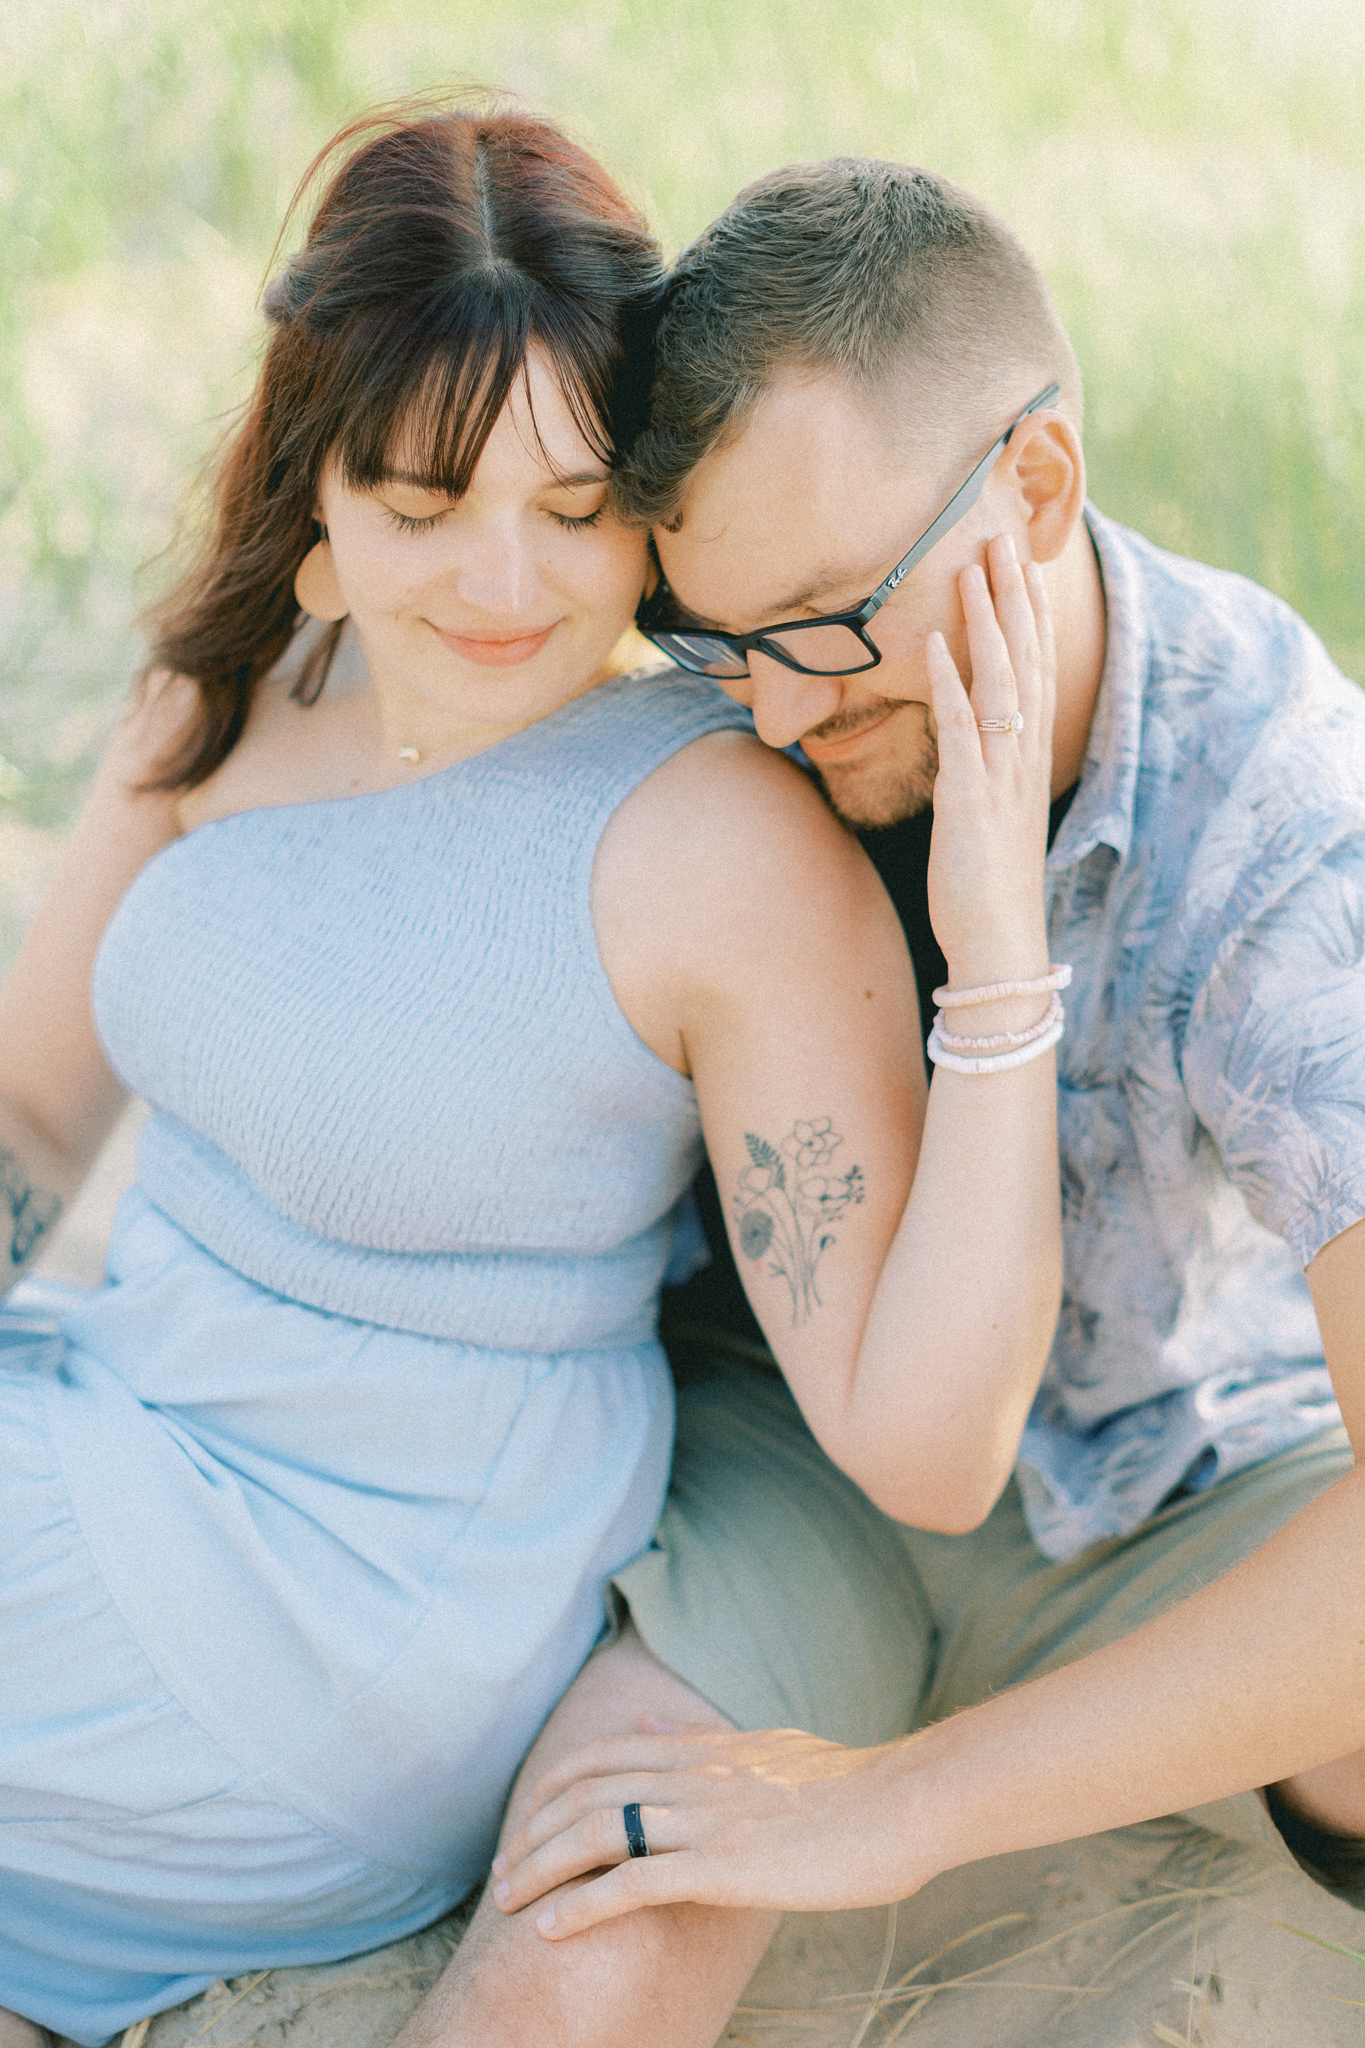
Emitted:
<point x="1274" y="1055"/>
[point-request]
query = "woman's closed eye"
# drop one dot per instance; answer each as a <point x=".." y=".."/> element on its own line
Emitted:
<point x="407" y="524"/>
<point x="582" y="522"/>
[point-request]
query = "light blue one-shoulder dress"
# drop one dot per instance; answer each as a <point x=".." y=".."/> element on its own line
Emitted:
<point x="306" y="1514"/>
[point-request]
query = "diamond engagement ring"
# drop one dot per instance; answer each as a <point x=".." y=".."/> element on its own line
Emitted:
<point x="1015" y="724"/>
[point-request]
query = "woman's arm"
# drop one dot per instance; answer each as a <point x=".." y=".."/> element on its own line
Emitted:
<point x="910" y="1305"/>
<point x="58" y="1099"/>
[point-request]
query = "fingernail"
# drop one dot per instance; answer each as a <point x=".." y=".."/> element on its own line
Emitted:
<point x="546" y="1921"/>
<point x="499" y="1864"/>
<point x="1010" y="548"/>
<point x="503" y="1892"/>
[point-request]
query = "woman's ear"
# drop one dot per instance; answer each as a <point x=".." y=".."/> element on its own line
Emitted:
<point x="1048" y="461"/>
<point x="316" y="586"/>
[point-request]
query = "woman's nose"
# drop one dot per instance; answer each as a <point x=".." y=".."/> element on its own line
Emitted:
<point x="785" y="703"/>
<point x="492" y="569"/>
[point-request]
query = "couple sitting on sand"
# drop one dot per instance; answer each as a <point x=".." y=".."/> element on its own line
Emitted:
<point x="1017" y="1500"/>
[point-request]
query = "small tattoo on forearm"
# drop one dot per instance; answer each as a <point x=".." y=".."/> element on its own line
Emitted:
<point x="786" y="1205"/>
<point x="30" y="1211"/>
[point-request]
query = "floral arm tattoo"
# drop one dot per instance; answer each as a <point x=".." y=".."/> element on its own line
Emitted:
<point x="26" y="1213"/>
<point x="786" y="1205"/>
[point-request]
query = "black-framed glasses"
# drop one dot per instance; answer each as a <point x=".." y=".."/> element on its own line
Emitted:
<point x="836" y="645"/>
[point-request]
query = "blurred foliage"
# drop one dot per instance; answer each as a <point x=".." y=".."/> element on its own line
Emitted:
<point x="1191" y="174"/>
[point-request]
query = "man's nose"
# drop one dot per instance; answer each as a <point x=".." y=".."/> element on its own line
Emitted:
<point x="785" y="703"/>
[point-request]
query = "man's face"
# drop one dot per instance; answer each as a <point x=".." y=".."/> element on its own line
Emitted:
<point x="804" y="513"/>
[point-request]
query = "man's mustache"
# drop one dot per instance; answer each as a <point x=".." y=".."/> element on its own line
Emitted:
<point x="845" y="723"/>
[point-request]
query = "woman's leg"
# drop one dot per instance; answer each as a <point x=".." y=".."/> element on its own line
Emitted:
<point x="678" y="1970"/>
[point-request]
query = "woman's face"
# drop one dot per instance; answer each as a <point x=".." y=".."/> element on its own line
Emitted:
<point x="498" y="606"/>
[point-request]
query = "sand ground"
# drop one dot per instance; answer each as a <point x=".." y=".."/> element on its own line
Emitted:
<point x="1163" y="1933"/>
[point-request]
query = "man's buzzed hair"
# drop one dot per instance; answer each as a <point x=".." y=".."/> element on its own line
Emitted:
<point x="876" y="271"/>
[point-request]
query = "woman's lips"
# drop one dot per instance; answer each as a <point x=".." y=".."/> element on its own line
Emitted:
<point x="491" y="653"/>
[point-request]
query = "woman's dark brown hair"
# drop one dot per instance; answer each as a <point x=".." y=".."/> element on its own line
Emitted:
<point x="447" y="242"/>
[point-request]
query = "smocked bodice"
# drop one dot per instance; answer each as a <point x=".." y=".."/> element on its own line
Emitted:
<point x="388" y="1074"/>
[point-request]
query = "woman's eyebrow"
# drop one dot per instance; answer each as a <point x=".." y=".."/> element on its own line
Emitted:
<point x="437" y="488"/>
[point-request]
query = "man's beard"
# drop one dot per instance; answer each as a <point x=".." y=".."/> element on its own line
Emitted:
<point x="875" y="793"/>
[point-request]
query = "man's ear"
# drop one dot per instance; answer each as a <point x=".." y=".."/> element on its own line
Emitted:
<point x="1048" y="474"/>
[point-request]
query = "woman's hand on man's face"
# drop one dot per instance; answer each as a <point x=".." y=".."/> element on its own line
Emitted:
<point x="993" y="789"/>
<point x="778" y="1819"/>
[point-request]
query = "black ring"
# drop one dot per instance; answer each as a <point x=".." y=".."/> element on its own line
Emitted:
<point x="635" y="1834"/>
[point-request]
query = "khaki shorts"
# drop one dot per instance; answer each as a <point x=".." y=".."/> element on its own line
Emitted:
<point x="778" y="1592"/>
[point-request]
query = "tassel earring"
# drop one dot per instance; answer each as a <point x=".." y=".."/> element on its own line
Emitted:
<point x="316" y="586"/>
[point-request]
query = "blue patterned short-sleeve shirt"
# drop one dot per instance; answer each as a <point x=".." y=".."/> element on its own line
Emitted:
<point x="1208" y="885"/>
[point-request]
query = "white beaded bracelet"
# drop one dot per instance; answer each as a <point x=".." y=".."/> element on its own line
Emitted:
<point x="996" y="991"/>
<point x="998" y="1041"/>
<point x="996" y="1062"/>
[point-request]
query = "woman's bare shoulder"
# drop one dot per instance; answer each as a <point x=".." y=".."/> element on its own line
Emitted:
<point x="728" y="808"/>
<point x="720" y="879"/>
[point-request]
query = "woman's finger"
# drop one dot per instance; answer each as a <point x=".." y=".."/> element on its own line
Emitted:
<point x="1047" y="651"/>
<point x="959" y="741"/>
<point x="1018" y="624"/>
<point x="994" y="691"/>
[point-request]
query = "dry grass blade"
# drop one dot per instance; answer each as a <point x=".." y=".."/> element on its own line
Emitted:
<point x="1193" y="1991"/>
<point x="1128" y="1947"/>
<point x="924" y="1994"/>
<point x="960" y="1941"/>
<point x="236" y="1999"/>
<point x="1300" y="1990"/>
<point x="1023" y="1954"/>
<point x="874" y="2005"/>
<point x="855" y="1998"/>
<point x="1352" y="1955"/>
<point x="134" y="2036"/>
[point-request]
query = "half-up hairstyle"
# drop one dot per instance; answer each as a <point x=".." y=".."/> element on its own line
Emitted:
<point x="443" y="247"/>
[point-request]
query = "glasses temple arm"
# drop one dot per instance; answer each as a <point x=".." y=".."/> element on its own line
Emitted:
<point x="961" y="502"/>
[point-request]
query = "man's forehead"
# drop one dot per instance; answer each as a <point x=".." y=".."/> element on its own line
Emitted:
<point x="788" y="513"/>
<point x="805" y="507"/>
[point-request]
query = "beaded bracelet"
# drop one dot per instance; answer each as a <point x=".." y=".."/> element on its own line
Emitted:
<point x="996" y="991"/>
<point x="996" y="1062"/>
<point x="1000" y="1041"/>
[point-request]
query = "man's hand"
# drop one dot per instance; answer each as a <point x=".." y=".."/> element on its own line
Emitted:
<point x="777" y="1819"/>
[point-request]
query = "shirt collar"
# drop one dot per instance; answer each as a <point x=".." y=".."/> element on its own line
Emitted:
<point x="1102" y="811"/>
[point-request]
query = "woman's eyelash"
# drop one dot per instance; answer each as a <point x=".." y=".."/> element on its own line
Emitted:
<point x="407" y="525"/>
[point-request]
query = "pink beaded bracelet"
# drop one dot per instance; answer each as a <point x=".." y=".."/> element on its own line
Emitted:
<point x="995" y="1062"/>
<point x="996" y="991"/>
<point x="1001" y="1041"/>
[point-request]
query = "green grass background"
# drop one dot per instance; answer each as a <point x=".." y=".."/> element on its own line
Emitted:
<point x="1191" y="176"/>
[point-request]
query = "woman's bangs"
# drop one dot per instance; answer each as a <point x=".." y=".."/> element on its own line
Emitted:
<point x="425" y="416"/>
